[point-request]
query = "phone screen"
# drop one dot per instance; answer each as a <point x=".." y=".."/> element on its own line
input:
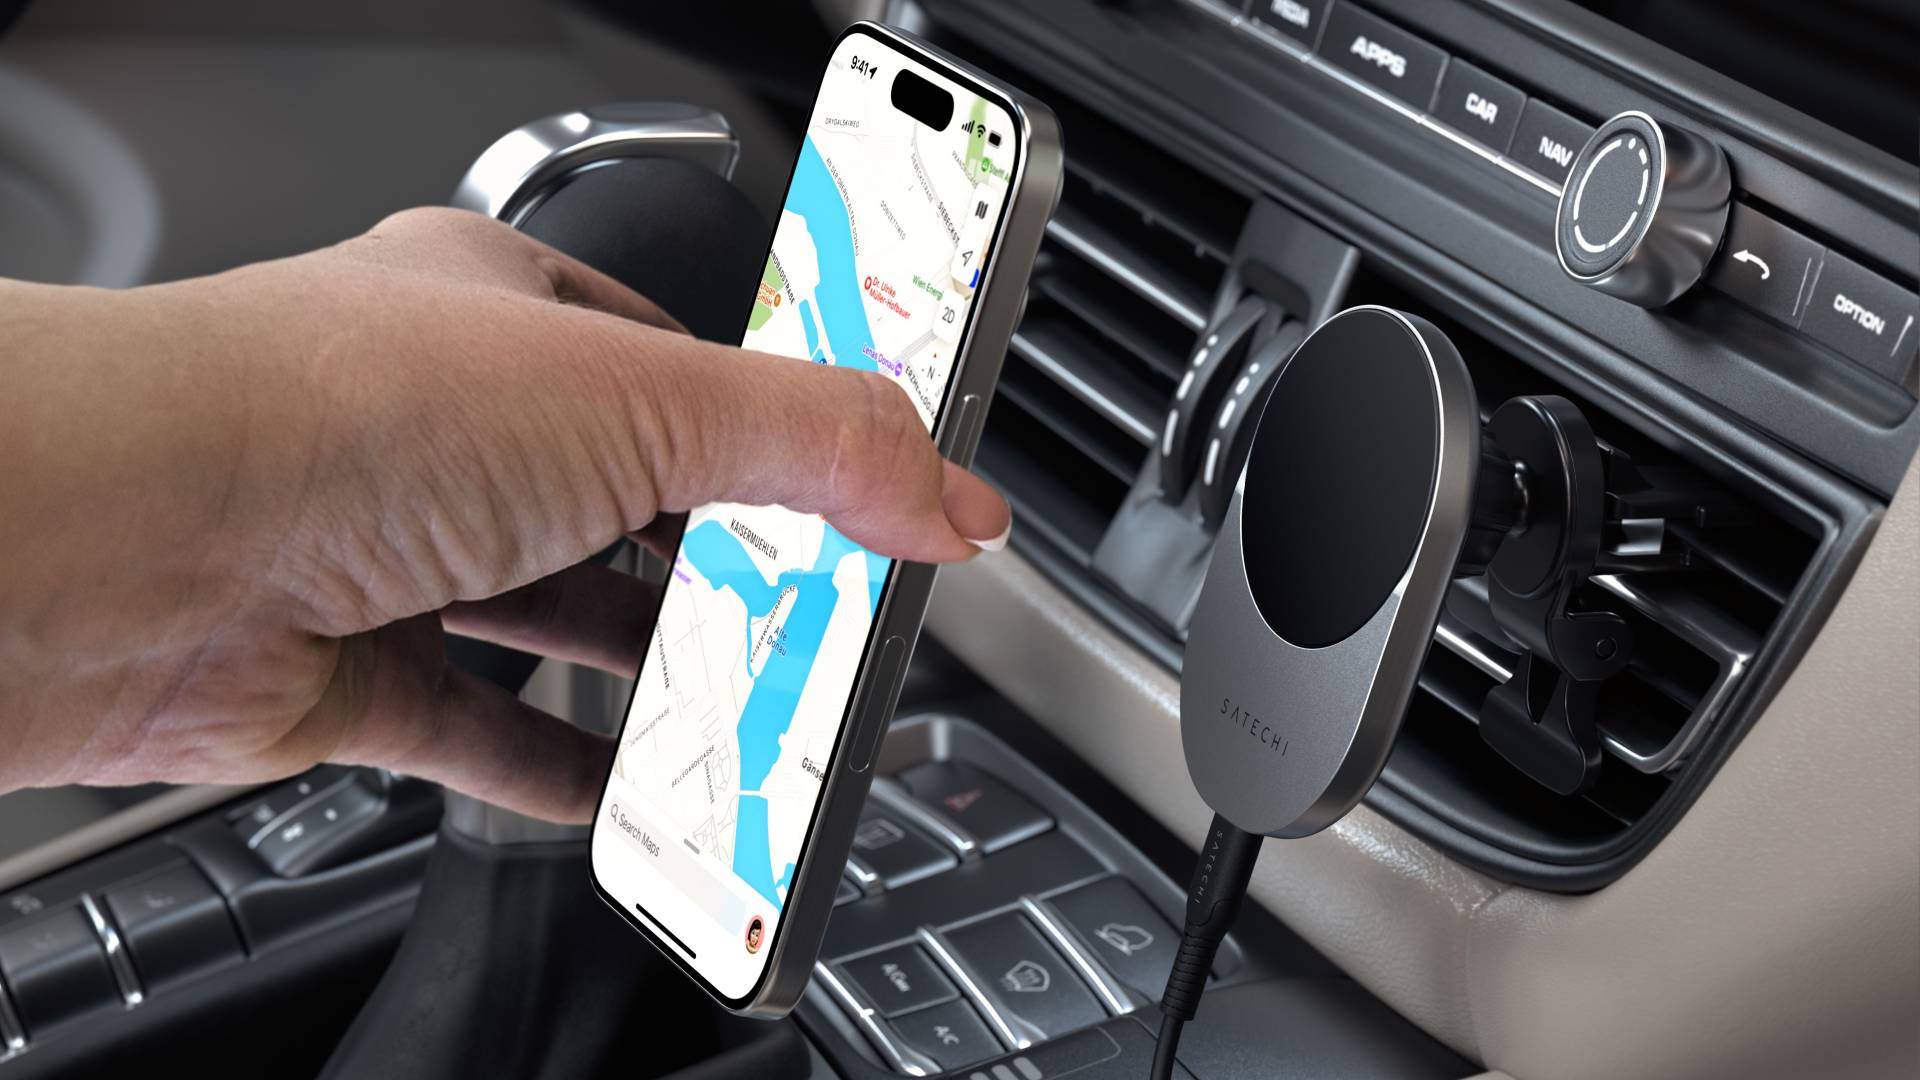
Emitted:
<point x="768" y="615"/>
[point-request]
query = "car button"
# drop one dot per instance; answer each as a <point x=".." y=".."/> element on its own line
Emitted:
<point x="951" y="1034"/>
<point x="900" y="854"/>
<point x="1546" y="140"/>
<point x="175" y="925"/>
<point x="991" y="811"/>
<point x="57" y="970"/>
<point x="1298" y="21"/>
<point x="1123" y="931"/>
<point x="900" y="980"/>
<point x="1024" y="974"/>
<point x="1478" y="106"/>
<point x="1382" y="55"/>
<point x="1765" y="265"/>
<point x="1863" y="315"/>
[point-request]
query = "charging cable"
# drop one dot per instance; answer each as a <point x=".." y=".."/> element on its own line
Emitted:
<point x="1213" y="902"/>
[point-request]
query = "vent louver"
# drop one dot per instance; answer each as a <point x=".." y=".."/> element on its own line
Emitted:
<point x="1123" y="285"/>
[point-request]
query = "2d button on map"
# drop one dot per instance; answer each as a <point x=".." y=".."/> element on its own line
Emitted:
<point x="896" y="851"/>
<point x="1123" y="931"/>
<point x="951" y="1034"/>
<point x="899" y="980"/>
<point x="978" y="803"/>
<point x="1024" y="974"/>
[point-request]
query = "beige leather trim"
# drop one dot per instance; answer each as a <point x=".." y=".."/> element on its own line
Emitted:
<point x="137" y="820"/>
<point x="1774" y="932"/>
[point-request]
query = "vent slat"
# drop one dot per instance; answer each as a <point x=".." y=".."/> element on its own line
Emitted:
<point x="1166" y="200"/>
<point x="1770" y="564"/>
<point x="1072" y="231"/>
<point x="1126" y="405"/>
<point x="1086" y="431"/>
<point x="1142" y="331"/>
<point x="1068" y="516"/>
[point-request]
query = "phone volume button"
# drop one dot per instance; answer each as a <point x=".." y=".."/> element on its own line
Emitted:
<point x="963" y="430"/>
<point x="883" y="688"/>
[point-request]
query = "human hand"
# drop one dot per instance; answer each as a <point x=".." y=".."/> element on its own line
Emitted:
<point x="238" y="510"/>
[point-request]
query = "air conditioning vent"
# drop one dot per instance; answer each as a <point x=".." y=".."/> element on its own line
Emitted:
<point x="1700" y="630"/>
<point x="1142" y="256"/>
<point x="1123" y="285"/>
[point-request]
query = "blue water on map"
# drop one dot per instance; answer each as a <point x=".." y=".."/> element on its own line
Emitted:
<point x="722" y="559"/>
<point x="813" y="333"/>
<point x="752" y="854"/>
<point x="718" y="554"/>
<point x="815" y="198"/>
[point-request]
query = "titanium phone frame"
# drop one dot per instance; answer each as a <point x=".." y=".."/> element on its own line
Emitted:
<point x="999" y="302"/>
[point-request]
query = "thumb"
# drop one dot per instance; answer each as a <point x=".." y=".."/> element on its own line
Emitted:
<point x="721" y="424"/>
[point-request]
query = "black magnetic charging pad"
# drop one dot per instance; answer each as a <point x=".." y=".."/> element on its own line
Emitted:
<point x="1329" y="572"/>
<point x="1340" y="478"/>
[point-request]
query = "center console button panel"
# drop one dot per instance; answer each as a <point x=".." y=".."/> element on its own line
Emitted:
<point x="1042" y="956"/>
<point x="900" y="980"/>
<point x="1863" y="316"/>
<point x="90" y="947"/>
<point x="1027" y="979"/>
<point x="1765" y="265"/>
<point x="993" y="813"/>
<point x="896" y="852"/>
<point x="1479" y="106"/>
<point x="1122" y="931"/>
<point x="952" y="1034"/>
<point x="175" y="925"/>
<point x="56" y="967"/>
<point x="1546" y="140"/>
<point x="1299" y="21"/>
<point x="1383" y="56"/>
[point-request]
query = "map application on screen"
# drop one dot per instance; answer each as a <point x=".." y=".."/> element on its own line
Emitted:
<point x="765" y="621"/>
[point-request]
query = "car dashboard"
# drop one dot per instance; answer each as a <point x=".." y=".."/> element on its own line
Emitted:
<point x="1728" y="892"/>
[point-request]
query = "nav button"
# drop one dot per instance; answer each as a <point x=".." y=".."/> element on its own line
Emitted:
<point x="1546" y="141"/>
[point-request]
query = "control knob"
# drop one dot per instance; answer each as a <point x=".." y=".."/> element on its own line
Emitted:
<point x="1643" y="210"/>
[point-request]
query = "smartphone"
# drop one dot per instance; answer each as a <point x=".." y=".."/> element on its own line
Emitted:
<point x="911" y="222"/>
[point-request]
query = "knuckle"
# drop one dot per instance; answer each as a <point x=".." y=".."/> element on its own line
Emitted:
<point x="874" y="440"/>
<point x="440" y="221"/>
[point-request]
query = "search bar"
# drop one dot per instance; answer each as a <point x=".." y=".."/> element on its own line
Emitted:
<point x="683" y="868"/>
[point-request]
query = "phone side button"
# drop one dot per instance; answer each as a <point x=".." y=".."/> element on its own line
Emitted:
<point x="963" y="432"/>
<point x="882" y="691"/>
